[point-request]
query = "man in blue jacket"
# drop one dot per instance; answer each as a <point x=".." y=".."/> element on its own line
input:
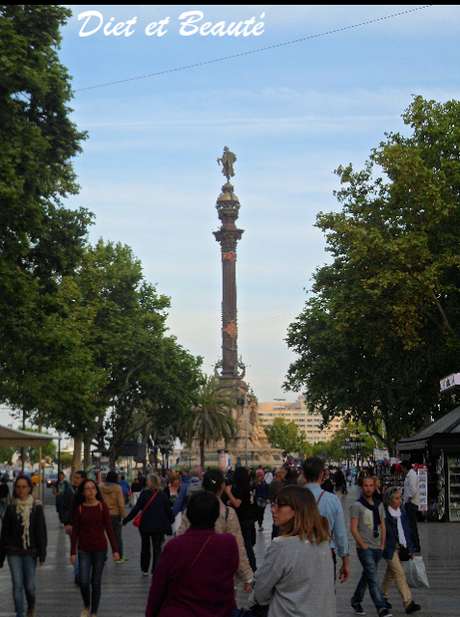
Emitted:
<point x="180" y="504"/>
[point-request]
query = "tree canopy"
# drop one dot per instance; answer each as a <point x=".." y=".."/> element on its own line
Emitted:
<point x="287" y="436"/>
<point x="83" y="336"/>
<point x="383" y="323"/>
<point x="40" y="240"/>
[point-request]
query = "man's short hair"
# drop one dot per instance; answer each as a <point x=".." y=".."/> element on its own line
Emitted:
<point x="313" y="467"/>
<point x="407" y="465"/>
<point x="362" y="478"/>
<point x="82" y="473"/>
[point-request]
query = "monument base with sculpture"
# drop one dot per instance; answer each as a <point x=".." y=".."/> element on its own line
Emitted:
<point x="254" y="449"/>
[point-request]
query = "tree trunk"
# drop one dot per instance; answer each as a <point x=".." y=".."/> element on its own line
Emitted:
<point x="76" y="459"/>
<point x="87" y="440"/>
<point x="113" y="459"/>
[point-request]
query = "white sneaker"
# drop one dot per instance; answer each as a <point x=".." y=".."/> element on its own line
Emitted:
<point x="85" y="612"/>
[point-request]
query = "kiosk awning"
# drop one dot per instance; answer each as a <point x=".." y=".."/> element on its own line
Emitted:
<point x="14" y="437"/>
<point x="446" y="431"/>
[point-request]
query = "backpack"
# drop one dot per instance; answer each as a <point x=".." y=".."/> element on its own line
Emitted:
<point x="193" y="487"/>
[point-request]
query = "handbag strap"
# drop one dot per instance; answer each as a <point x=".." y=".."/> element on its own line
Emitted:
<point x="320" y="497"/>
<point x="149" y="501"/>
<point x="176" y="587"/>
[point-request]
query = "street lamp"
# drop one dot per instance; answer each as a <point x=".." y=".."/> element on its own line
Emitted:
<point x="357" y="448"/>
<point x="243" y="401"/>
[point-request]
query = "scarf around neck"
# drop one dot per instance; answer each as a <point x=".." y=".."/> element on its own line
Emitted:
<point x="375" y="512"/>
<point x="397" y="515"/>
<point x="24" y="509"/>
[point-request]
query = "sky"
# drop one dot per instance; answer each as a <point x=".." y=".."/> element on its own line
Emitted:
<point x="300" y="91"/>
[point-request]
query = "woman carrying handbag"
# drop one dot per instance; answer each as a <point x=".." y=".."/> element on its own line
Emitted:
<point x="155" y="522"/>
<point x="398" y="547"/>
<point x="195" y="571"/>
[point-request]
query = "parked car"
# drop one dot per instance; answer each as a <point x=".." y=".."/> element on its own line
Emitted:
<point x="51" y="480"/>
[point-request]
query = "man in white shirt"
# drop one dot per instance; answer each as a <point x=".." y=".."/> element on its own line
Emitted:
<point x="411" y="501"/>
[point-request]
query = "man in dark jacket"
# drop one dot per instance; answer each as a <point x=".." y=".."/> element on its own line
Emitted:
<point x="68" y="511"/>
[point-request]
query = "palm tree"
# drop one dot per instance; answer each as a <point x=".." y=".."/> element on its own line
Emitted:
<point x="212" y="415"/>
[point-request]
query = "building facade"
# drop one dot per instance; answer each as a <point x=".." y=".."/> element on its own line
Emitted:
<point x="297" y="412"/>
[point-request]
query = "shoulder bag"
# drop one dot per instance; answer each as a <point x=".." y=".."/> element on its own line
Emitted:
<point x="137" y="520"/>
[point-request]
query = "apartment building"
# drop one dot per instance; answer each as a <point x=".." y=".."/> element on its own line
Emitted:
<point x="309" y="422"/>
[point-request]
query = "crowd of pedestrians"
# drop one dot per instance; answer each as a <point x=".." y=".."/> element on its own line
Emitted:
<point x="198" y="531"/>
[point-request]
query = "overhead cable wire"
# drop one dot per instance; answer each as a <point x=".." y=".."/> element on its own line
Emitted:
<point x="255" y="51"/>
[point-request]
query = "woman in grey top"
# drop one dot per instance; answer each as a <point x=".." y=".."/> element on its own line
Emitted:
<point x="297" y="578"/>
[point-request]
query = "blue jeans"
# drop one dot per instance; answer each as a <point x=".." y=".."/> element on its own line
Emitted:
<point x="22" y="569"/>
<point x="91" y="567"/>
<point x="369" y="558"/>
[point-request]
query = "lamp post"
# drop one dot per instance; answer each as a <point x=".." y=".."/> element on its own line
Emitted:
<point x="243" y="400"/>
<point x="357" y="448"/>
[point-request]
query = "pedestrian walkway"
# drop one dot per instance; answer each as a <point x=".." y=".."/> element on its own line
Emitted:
<point x="124" y="590"/>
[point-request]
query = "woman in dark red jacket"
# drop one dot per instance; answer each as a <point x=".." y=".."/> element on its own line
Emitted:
<point x="195" y="572"/>
<point x="90" y="524"/>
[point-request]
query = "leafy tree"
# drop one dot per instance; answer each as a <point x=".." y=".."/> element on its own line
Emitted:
<point x="287" y="436"/>
<point x="40" y="240"/>
<point x="6" y="454"/>
<point x="334" y="445"/>
<point x="48" y="451"/>
<point x="66" y="460"/>
<point x="211" y="417"/>
<point x="383" y="324"/>
<point x="38" y="140"/>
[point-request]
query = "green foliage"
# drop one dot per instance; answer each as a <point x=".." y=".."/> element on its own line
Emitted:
<point x="287" y="436"/>
<point x="48" y="451"/>
<point x="81" y="330"/>
<point x="211" y="417"/>
<point x="383" y="324"/>
<point x="66" y="460"/>
<point x="41" y="241"/>
<point x="333" y="447"/>
<point x="6" y="455"/>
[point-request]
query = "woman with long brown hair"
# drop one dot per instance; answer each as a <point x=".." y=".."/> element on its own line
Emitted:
<point x="91" y="528"/>
<point x="297" y="577"/>
<point x="23" y="542"/>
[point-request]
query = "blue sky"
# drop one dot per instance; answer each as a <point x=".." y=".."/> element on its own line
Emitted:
<point x="292" y="114"/>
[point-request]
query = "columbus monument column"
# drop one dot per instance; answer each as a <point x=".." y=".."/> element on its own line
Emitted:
<point x="250" y="443"/>
<point x="228" y="235"/>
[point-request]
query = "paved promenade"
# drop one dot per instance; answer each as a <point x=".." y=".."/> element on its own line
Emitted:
<point x="124" y="590"/>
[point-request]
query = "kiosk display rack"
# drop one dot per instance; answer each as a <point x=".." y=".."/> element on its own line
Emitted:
<point x="453" y="478"/>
